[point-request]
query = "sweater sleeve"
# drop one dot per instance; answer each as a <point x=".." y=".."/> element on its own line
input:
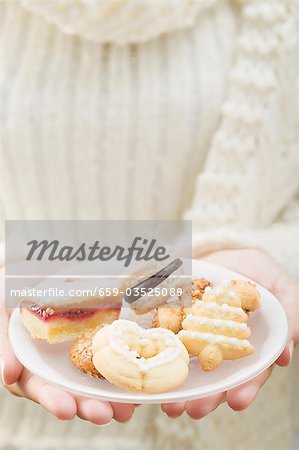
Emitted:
<point x="281" y="239"/>
<point x="251" y="171"/>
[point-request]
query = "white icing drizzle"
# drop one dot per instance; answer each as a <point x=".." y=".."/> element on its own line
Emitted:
<point x="216" y="322"/>
<point x="208" y="290"/>
<point x="224" y="307"/>
<point x="226" y="282"/>
<point x="117" y="342"/>
<point x="220" y="290"/>
<point x="217" y="291"/>
<point x="217" y="339"/>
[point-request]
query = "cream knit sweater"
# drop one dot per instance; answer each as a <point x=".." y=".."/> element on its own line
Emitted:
<point x="154" y="109"/>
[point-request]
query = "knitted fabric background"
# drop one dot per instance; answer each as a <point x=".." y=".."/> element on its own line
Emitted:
<point x="197" y="118"/>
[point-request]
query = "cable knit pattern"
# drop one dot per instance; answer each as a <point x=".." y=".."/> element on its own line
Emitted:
<point x="204" y="115"/>
<point x="258" y="134"/>
<point x="118" y="21"/>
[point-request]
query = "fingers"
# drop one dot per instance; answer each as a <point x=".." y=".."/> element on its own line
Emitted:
<point x="122" y="412"/>
<point x="242" y="396"/>
<point x="287" y="291"/>
<point x="286" y="357"/>
<point x="173" y="410"/>
<point x="98" y="412"/>
<point x="59" y="403"/>
<point x="238" y="399"/>
<point x="197" y="409"/>
<point x="11" y="368"/>
<point x="65" y="407"/>
<point x="101" y="412"/>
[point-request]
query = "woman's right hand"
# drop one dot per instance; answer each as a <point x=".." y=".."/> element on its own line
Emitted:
<point x="63" y="405"/>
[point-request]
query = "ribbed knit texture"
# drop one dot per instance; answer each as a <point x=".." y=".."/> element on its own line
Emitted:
<point x="96" y="124"/>
<point x="118" y="21"/>
<point x="198" y="122"/>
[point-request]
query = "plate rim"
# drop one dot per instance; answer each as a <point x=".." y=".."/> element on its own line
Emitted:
<point x="170" y="396"/>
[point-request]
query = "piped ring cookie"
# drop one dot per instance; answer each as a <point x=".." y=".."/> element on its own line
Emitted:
<point x="150" y="361"/>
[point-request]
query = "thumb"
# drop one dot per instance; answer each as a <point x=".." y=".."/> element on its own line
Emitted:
<point x="287" y="290"/>
<point x="11" y="368"/>
<point x="286" y="357"/>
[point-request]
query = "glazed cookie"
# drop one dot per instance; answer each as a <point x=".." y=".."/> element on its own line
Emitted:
<point x="150" y="361"/>
<point x="81" y="353"/>
<point x="215" y="328"/>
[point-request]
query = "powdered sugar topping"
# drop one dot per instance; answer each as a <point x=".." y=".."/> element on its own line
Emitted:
<point x="170" y="343"/>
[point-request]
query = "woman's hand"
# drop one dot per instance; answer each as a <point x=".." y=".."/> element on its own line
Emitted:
<point x="19" y="381"/>
<point x="260" y="267"/>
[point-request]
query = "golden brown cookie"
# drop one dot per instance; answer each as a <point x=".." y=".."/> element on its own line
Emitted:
<point x="248" y="293"/>
<point x="171" y="316"/>
<point x="215" y="328"/>
<point x="198" y="287"/>
<point x="81" y="353"/>
<point x="151" y="361"/>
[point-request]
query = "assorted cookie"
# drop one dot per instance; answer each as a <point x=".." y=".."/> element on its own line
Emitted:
<point x="171" y="315"/>
<point x="150" y="361"/>
<point x="248" y="293"/>
<point x="215" y="328"/>
<point x="55" y="318"/>
<point x="207" y="321"/>
<point x="81" y="353"/>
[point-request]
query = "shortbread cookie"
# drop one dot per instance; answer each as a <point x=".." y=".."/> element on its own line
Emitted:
<point x="150" y="361"/>
<point x="81" y="353"/>
<point x="171" y="315"/>
<point x="215" y="328"/>
<point x="221" y="294"/>
<point x="248" y="293"/>
<point x="199" y="286"/>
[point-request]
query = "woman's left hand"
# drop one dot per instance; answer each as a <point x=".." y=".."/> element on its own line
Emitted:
<point x="63" y="405"/>
<point x="258" y="266"/>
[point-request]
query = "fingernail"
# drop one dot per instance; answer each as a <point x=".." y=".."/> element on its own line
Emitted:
<point x="291" y="349"/>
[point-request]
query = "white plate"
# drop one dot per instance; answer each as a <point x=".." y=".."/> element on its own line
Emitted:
<point x="269" y="335"/>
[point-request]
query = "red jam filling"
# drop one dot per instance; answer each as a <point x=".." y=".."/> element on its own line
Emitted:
<point x="47" y="313"/>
